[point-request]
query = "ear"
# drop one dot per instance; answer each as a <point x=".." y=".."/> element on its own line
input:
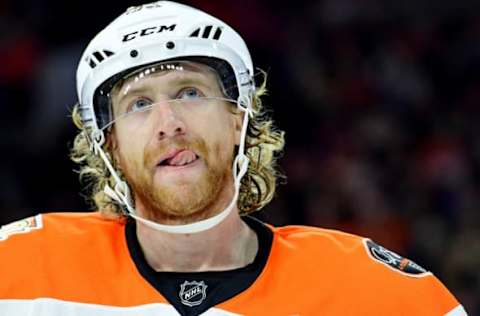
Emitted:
<point x="238" y="118"/>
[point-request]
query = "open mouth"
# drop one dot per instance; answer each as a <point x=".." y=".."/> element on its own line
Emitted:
<point x="178" y="158"/>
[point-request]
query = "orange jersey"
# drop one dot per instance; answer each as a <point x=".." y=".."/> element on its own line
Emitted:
<point x="84" y="264"/>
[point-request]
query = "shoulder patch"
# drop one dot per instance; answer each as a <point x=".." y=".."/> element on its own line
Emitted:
<point x="392" y="259"/>
<point x="22" y="226"/>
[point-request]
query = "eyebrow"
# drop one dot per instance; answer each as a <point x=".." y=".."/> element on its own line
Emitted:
<point x="183" y="79"/>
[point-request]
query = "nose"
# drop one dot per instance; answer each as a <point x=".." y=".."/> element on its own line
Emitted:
<point x="167" y="121"/>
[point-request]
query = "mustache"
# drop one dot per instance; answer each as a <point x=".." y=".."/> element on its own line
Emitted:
<point x="152" y="154"/>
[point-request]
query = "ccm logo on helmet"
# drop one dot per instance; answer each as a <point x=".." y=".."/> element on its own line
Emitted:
<point x="148" y="31"/>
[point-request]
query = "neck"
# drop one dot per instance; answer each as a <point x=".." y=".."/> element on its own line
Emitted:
<point x="229" y="245"/>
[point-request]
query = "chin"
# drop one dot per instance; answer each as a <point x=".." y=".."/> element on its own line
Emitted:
<point x="183" y="203"/>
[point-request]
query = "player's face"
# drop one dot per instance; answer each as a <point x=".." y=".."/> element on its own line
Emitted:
<point x="175" y="144"/>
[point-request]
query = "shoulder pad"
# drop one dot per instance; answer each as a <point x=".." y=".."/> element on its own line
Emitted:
<point x="392" y="259"/>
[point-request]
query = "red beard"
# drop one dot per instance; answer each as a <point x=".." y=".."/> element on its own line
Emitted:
<point x="185" y="201"/>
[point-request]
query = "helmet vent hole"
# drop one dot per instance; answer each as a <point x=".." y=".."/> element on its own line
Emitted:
<point x="217" y="34"/>
<point x="91" y="63"/>
<point x="170" y="45"/>
<point x="195" y="33"/>
<point x="207" y="31"/>
<point x="108" y="53"/>
<point x="98" y="56"/>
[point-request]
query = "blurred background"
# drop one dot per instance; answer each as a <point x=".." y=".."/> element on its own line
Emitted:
<point x="379" y="101"/>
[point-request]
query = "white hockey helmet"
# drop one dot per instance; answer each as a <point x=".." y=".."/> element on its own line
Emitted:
<point x="152" y="33"/>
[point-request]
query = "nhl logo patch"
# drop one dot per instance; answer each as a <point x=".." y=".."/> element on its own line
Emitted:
<point x="193" y="293"/>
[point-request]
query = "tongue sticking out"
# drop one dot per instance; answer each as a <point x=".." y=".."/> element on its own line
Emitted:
<point x="182" y="158"/>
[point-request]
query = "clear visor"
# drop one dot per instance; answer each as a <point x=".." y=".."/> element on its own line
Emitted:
<point x="180" y="84"/>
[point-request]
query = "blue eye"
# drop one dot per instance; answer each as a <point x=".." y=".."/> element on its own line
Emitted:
<point x="190" y="93"/>
<point x="140" y="104"/>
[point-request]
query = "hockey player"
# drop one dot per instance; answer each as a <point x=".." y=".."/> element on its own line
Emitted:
<point x="176" y="150"/>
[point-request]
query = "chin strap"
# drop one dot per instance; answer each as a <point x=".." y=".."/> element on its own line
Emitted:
<point x="121" y="191"/>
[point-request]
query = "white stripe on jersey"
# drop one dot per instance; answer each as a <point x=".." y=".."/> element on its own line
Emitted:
<point x="457" y="311"/>
<point x="54" y="307"/>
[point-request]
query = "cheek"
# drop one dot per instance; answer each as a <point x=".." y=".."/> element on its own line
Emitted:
<point x="128" y="147"/>
<point x="222" y="123"/>
<point x="222" y="138"/>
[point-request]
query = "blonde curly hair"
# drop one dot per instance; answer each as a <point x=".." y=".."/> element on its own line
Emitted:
<point x="263" y="143"/>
